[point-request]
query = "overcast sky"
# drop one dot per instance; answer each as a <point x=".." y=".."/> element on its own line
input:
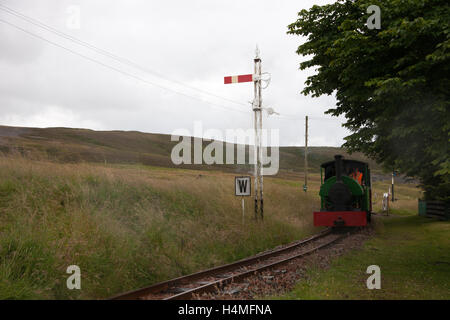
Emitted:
<point x="193" y="43"/>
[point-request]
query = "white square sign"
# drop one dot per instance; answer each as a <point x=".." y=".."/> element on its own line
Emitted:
<point x="242" y="186"/>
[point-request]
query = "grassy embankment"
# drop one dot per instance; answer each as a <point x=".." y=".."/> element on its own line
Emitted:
<point x="127" y="226"/>
<point x="413" y="253"/>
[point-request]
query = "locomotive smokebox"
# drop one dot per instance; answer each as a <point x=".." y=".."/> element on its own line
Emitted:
<point x="338" y="167"/>
<point x="339" y="195"/>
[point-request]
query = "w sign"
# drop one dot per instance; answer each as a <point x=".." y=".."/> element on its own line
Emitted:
<point x="242" y="186"/>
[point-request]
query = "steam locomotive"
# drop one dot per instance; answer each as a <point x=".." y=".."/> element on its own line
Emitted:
<point x="345" y="193"/>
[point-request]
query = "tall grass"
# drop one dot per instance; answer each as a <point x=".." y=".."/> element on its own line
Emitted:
<point x="129" y="226"/>
<point x="406" y="196"/>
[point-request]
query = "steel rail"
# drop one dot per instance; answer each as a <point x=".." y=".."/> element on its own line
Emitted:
<point x="163" y="286"/>
<point x="213" y="286"/>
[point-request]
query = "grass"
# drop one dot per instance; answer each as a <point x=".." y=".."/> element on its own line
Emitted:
<point x="406" y="196"/>
<point x="412" y="252"/>
<point x="127" y="226"/>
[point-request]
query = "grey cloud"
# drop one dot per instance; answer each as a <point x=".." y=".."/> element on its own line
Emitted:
<point x="195" y="42"/>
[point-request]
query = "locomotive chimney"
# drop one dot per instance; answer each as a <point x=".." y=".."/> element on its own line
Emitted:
<point x="338" y="166"/>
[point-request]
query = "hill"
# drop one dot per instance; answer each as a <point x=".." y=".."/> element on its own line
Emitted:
<point x="71" y="145"/>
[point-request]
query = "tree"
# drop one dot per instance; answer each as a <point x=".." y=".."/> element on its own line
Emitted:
<point x="391" y="83"/>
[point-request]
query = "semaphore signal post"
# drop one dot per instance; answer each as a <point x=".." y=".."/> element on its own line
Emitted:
<point x="257" y="108"/>
<point x="257" y="102"/>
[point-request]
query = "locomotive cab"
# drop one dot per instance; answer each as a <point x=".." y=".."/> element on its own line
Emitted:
<point x="345" y="193"/>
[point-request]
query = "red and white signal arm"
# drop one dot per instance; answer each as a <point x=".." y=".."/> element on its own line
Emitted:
<point x="237" y="79"/>
<point x="242" y="186"/>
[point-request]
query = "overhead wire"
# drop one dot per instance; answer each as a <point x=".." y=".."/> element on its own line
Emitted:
<point x="107" y="53"/>
<point x="282" y="116"/>
<point x="119" y="70"/>
<point x="129" y="62"/>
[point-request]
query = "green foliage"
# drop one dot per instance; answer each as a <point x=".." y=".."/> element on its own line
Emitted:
<point x="391" y="84"/>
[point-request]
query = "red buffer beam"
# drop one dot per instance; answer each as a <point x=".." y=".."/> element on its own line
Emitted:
<point x="237" y="79"/>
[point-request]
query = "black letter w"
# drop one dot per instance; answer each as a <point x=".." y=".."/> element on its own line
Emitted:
<point x="242" y="186"/>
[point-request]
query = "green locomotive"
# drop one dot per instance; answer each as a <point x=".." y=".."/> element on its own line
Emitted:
<point x="345" y="193"/>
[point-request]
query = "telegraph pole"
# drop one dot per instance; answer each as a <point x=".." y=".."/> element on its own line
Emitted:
<point x="256" y="156"/>
<point x="305" y="187"/>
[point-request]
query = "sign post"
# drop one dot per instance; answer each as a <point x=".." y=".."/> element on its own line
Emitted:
<point x="243" y="210"/>
<point x="393" y="175"/>
<point x="242" y="187"/>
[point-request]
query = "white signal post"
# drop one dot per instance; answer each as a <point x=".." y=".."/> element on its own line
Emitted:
<point x="257" y="108"/>
<point x="257" y="102"/>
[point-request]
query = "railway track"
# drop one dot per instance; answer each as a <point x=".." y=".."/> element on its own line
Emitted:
<point x="210" y="280"/>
